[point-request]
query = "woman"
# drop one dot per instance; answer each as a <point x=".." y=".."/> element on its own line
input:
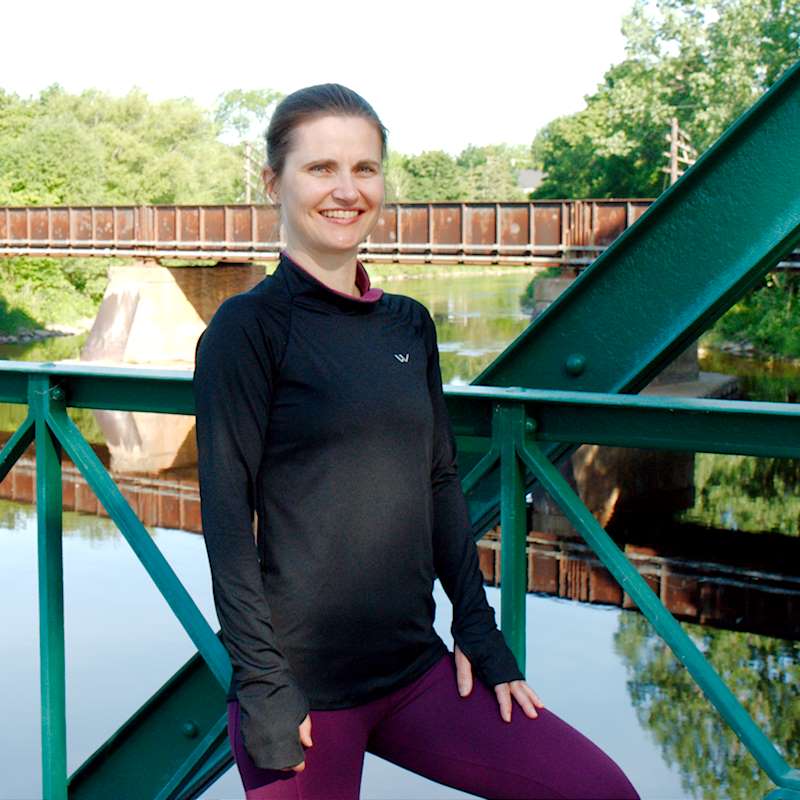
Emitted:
<point x="320" y="410"/>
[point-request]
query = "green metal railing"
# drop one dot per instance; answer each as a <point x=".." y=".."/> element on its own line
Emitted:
<point x="175" y="746"/>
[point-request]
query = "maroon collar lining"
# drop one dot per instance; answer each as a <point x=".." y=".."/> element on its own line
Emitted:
<point x="369" y="294"/>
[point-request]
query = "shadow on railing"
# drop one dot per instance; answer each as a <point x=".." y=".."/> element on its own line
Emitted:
<point x="180" y="735"/>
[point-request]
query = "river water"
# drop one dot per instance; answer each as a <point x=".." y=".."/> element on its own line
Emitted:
<point x="599" y="667"/>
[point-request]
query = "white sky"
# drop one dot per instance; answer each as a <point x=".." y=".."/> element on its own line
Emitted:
<point x="440" y="73"/>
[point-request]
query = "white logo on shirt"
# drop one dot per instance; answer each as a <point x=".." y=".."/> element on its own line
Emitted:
<point x="401" y="357"/>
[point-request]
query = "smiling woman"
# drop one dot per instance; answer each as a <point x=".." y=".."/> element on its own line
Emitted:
<point x="320" y="411"/>
<point x="330" y="188"/>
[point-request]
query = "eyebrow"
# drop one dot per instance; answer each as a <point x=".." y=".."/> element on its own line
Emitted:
<point x="330" y="162"/>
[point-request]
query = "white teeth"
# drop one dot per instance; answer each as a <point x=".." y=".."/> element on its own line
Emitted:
<point x="340" y="214"/>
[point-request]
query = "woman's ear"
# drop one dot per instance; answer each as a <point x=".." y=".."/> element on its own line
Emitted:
<point x="270" y="184"/>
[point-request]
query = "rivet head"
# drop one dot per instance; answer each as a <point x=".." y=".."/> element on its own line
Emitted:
<point x="190" y="730"/>
<point x="530" y="425"/>
<point x="57" y="393"/>
<point x="575" y="364"/>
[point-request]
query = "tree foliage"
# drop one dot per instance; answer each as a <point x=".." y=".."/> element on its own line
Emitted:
<point x="766" y="317"/>
<point x="487" y="172"/>
<point x="703" y="62"/>
<point x="434" y="175"/>
<point x="490" y="172"/>
<point x="246" y="112"/>
<point x="60" y="148"/>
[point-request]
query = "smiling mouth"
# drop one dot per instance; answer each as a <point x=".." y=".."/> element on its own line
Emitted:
<point x="341" y="214"/>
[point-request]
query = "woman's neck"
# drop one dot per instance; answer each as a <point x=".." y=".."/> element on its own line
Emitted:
<point x="338" y="272"/>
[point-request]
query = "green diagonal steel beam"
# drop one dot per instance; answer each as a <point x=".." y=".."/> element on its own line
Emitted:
<point x="150" y="751"/>
<point x="696" y="250"/>
<point x="17" y="445"/>
<point x="131" y="527"/>
<point x="665" y="624"/>
<point x="783" y="794"/>
<point x="213" y="753"/>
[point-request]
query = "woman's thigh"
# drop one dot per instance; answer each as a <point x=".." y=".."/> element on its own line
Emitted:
<point x="333" y="764"/>
<point x="464" y="743"/>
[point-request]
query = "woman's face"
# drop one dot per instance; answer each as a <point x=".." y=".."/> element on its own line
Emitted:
<point x="331" y="188"/>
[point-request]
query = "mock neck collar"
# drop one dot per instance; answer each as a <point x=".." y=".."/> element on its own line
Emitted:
<point x="301" y="282"/>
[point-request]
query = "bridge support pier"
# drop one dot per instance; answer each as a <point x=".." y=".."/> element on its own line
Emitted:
<point x="152" y="316"/>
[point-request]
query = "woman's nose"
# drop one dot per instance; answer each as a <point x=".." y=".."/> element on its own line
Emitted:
<point x="345" y="189"/>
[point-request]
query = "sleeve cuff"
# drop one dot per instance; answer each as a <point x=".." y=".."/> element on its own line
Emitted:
<point x="491" y="658"/>
<point x="269" y="724"/>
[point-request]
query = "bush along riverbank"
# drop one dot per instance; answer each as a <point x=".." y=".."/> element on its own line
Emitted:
<point x="765" y="323"/>
<point x="43" y="297"/>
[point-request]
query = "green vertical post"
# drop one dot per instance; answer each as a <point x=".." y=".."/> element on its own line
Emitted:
<point x="51" y="590"/>
<point x="507" y="422"/>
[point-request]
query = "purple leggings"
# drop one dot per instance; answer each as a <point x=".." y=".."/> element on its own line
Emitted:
<point x="462" y="742"/>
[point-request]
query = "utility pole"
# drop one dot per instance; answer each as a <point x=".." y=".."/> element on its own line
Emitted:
<point x="680" y="151"/>
<point x="248" y="172"/>
<point x="253" y="190"/>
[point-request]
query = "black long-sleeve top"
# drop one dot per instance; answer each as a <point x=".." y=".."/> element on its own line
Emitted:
<point x="323" y="413"/>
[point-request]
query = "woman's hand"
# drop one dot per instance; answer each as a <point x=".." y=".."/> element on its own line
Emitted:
<point x="523" y="693"/>
<point x="305" y="739"/>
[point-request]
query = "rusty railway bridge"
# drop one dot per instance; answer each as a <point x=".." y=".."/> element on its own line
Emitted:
<point x="570" y="233"/>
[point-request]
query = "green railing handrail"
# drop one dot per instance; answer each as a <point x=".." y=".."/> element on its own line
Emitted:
<point x="500" y="426"/>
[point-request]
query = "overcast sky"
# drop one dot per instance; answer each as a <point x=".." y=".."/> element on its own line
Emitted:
<point x="440" y="73"/>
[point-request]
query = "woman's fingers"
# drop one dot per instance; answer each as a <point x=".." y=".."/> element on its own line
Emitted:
<point x="522" y="693"/>
<point x="533" y="695"/>
<point x="504" y="700"/>
<point x="305" y="739"/>
<point x="526" y="697"/>
<point x="305" y="732"/>
<point x="463" y="672"/>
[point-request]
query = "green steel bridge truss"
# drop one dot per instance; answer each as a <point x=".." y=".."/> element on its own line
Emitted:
<point x="570" y="378"/>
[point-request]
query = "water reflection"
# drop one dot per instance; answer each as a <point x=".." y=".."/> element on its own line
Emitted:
<point x="774" y="379"/>
<point x="54" y="348"/>
<point x="764" y="674"/>
<point x="745" y="493"/>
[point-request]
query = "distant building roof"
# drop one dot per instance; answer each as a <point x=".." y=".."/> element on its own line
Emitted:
<point x="529" y="179"/>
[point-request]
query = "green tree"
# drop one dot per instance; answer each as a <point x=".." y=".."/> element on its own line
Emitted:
<point x="433" y="176"/>
<point x="490" y="171"/>
<point x="396" y="177"/>
<point x="704" y="62"/>
<point x="94" y="148"/>
<point x="246" y="112"/>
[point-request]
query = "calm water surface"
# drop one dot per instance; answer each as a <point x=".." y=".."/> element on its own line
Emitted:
<point x="600" y="668"/>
